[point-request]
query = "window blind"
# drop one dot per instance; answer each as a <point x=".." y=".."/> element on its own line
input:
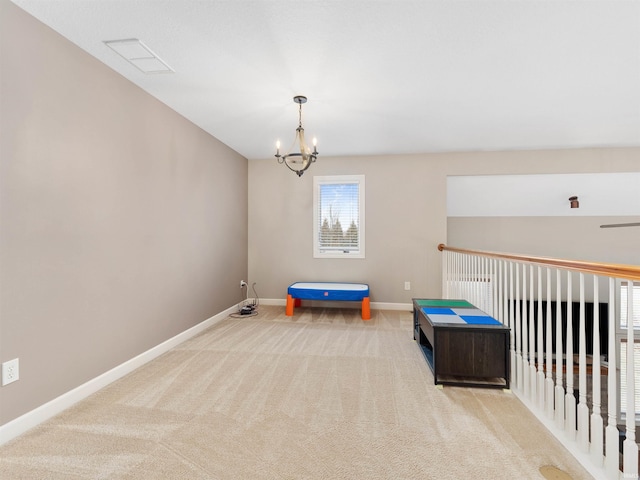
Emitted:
<point x="624" y="298"/>
<point x="338" y="216"/>
<point x="635" y="298"/>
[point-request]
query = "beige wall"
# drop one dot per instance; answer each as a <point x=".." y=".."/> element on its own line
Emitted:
<point x="121" y="223"/>
<point x="406" y="215"/>
<point x="574" y="238"/>
<point x="398" y="246"/>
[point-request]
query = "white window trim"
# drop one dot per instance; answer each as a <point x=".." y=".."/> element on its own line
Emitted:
<point x="337" y="179"/>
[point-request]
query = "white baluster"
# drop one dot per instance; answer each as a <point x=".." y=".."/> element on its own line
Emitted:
<point x="512" y="330"/>
<point x="583" y="409"/>
<point x="476" y="282"/>
<point x="505" y="294"/>
<point x="461" y="263"/>
<point x="526" y="337"/>
<point x="445" y="274"/>
<point x="597" y="425"/>
<point x="518" y="328"/>
<point x="540" y="386"/>
<point x="612" y="456"/>
<point x="549" y="388"/>
<point x="629" y="447"/>
<point x="455" y="293"/>
<point x="452" y="275"/>
<point x="498" y="283"/>
<point x="460" y="275"/>
<point x="471" y="279"/>
<point x="469" y="284"/>
<point x="494" y="290"/>
<point x="452" y="271"/>
<point x="532" y="335"/>
<point x="570" y="400"/>
<point x="463" y="276"/>
<point x="559" y="396"/>
<point x="486" y="291"/>
<point x="480" y="284"/>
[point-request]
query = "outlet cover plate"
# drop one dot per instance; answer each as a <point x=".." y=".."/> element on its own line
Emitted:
<point x="10" y="371"/>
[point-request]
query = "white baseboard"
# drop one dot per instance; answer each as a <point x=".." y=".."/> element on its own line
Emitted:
<point x="278" y="302"/>
<point x="374" y="305"/>
<point x="585" y="459"/>
<point x="31" y="419"/>
<point x="25" y="422"/>
<point x="408" y="307"/>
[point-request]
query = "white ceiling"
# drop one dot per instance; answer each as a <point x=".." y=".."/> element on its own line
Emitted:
<point x="599" y="194"/>
<point x="382" y="77"/>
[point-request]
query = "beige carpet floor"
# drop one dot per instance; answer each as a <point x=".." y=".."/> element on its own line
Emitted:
<point x="321" y="395"/>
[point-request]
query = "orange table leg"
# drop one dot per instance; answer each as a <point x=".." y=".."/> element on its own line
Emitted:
<point x="297" y="302"/>
<point x="366" y="309"/>
<point x="289" y="309"/>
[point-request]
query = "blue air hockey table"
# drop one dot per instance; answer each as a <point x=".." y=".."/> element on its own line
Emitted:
<point x="332" y="291"/>
<point x="462" y="345"/>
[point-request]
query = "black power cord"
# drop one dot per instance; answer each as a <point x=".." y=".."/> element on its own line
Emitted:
<point x="247" y="308"/>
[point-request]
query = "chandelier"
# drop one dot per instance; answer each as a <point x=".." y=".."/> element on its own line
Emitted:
<point x="300" y="157"/>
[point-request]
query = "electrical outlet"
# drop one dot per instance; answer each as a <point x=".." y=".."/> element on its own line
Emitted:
<point x="243" y="283"/>
<point x="10" y="371"/>
<point x="407" y="285"/>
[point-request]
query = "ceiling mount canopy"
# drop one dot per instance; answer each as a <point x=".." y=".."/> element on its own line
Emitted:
<point x="574" y="202"/>
<point x="299" y="157"/>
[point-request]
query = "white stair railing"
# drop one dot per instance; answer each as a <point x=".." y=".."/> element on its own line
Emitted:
<point x="519" y="291"/>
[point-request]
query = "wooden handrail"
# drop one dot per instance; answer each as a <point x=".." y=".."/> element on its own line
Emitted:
<point x="628" y="272"/>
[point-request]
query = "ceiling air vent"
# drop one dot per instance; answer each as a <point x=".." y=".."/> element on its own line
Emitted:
<point x="139" y="55"/>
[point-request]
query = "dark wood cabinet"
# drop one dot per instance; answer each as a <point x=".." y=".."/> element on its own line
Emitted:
<point x="463" y="354"/>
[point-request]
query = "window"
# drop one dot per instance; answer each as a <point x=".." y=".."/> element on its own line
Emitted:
<point x="635" y="296"/>
<point x="627" y="290"/>
<point x="338" y="216"/>
<point x="623" y="376"/>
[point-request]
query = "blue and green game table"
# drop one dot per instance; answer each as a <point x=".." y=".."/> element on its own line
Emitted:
<point x="463" y="345"/>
